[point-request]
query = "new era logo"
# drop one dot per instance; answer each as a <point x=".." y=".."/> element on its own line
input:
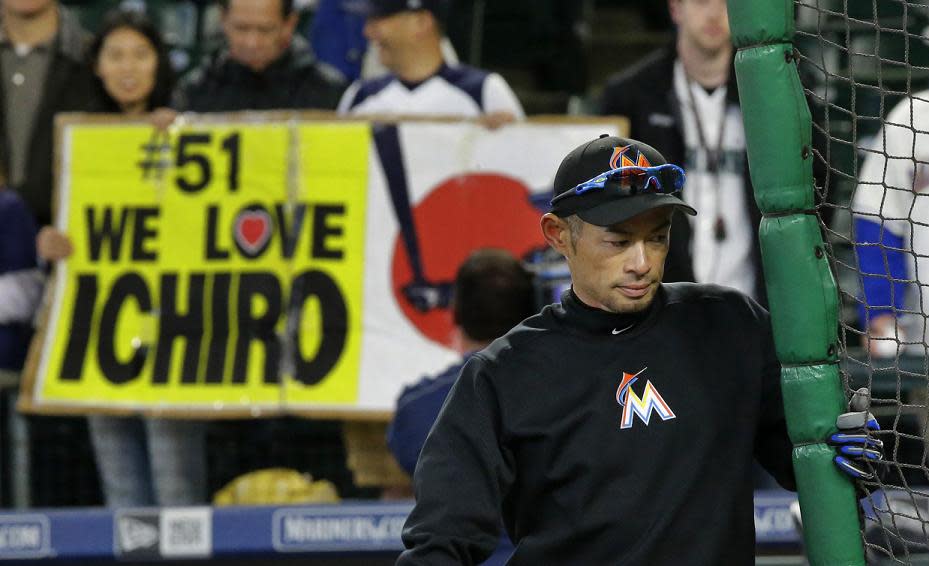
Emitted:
<point x="168" y="533"/>
<point x="134" y="534"/>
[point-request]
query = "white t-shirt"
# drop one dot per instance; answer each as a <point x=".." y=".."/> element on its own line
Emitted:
<point x="893" y="184"/>
<point x="722" y="240"/>
<point x="453" y="91"/>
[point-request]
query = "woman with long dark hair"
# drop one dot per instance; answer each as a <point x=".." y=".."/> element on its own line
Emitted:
<point x="130" y="61"/>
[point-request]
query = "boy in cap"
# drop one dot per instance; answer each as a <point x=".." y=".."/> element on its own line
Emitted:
<point x="607" y="427"/>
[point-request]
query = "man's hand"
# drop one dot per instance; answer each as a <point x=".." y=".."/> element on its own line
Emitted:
<point x="495" y="120"/>
<point x="856" y="449"/>
<point x="884" y="335"/>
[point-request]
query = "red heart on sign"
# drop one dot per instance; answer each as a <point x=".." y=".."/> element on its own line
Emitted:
<point x="252" y="230"/>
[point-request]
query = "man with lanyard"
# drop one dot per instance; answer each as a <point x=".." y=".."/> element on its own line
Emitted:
<point x="698" y="123"/>
<point x="605" y="429"/>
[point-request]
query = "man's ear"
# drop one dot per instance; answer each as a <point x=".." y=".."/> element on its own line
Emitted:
<point x="290" y="24"/>
<point x="557" y="233"/>
<point x="458" y="340"/>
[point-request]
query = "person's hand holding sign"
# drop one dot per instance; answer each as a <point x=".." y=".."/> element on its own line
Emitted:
<point x="53" y="244"/>
<point x="162" y="118"/>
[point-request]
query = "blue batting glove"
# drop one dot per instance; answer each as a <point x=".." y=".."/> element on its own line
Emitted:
<point x="856" y="448"/>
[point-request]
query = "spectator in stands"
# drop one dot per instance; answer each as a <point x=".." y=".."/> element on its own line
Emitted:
<point x="130" y="62"/>
<point x="263" y="66"/>
<point x="492" y="294"/>
<point x="683" y="101"/>
<point x="43" y="73"/>
<point x="141" y="461"/>
<point x="891" y="235"/>
<point x="20" y="283"/>
<point x="337" y="35"/>
<point x="408" y="36"/>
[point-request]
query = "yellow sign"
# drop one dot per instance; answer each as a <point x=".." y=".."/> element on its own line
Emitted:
<point x="275" y="263"/>
<point x="216" y="267"/>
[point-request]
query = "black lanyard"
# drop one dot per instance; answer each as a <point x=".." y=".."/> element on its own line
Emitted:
<point x="713" y="155"/>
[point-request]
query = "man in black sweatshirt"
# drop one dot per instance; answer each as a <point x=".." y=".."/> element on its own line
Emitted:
<point x="618" y="426"/>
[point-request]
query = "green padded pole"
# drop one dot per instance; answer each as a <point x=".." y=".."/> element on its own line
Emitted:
<point x="801" y="289"/>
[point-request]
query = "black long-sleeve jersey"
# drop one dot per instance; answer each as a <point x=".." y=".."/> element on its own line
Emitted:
<point x="599" y="445"/>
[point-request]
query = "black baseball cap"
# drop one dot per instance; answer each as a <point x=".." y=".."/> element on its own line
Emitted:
<point x="605" y="207"/>
<point x="384" y="8"/>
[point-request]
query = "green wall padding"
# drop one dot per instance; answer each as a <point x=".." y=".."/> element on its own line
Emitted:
<point x="801" y="290"/>
<point x="778" y="128"/>
<point x="829" y="509"/>
<point x="753" y="23"/>
<point x="813" y="397"/>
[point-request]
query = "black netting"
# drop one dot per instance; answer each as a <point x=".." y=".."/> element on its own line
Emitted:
<point x="62" y="470"/>
<point x="865" y="69"/>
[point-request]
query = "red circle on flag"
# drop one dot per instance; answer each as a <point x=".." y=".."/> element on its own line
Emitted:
<point x="462" y="214"/>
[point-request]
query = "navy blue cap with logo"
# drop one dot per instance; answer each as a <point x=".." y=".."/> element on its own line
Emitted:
<point x="384" y="8"/>
<point x="609" y="180"/>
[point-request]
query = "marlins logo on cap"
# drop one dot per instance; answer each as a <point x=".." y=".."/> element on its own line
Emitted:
<point x="621" y="158"/>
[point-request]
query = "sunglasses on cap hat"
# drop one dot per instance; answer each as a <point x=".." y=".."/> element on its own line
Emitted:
<point x="631" y="180"/>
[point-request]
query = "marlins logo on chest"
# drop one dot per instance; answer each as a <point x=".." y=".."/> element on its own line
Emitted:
<point x="632" y="404"/>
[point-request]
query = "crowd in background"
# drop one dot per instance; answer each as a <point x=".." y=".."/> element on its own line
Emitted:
<point x="385" y="56"/>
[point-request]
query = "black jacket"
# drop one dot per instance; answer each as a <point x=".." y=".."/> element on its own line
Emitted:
<point x="533" y="430"/>
<point x="296" y="80"/>
<point x="645" y="94"/>
<point x="69" y="87"/>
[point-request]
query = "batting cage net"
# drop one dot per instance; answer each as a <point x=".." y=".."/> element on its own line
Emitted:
<point x="864" y="66"/>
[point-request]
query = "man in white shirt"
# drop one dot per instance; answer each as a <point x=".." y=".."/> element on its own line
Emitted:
<point x="891" y="233"/>
<point x="407" y="35"/>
